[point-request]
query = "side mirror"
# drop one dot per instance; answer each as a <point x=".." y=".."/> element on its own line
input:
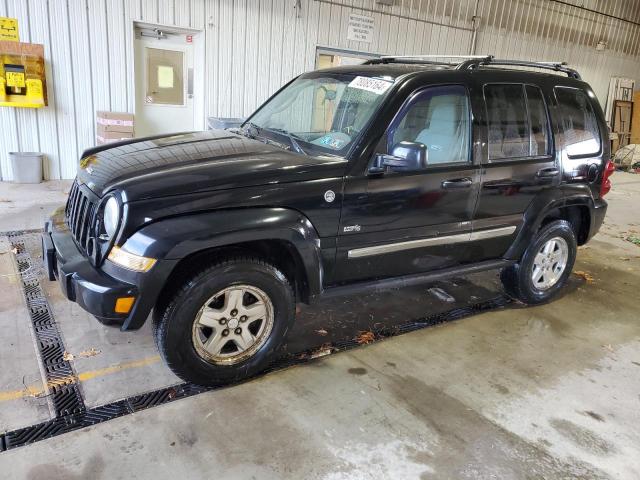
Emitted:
<point x="405" y="156"/>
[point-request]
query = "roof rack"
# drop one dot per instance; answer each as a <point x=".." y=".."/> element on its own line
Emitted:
<point x="491" y="60"/>
<point x="420" y="59"/>
<point x="474" y="61"/>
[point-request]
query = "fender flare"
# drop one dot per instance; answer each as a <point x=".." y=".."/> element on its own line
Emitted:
<point x="539" y="209"/>
<point x="174" y="238"/>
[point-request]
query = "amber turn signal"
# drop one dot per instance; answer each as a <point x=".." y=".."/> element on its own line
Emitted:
<point x="124" y="304"/>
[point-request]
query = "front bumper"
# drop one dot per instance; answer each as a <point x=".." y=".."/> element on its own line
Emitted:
<point x="97" y="289"/>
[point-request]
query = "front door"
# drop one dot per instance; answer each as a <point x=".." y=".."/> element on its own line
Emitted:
<point x="416" y="217"/>
<point x="164" y="82"/>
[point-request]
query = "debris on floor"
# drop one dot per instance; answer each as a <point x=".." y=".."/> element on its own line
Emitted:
<point x="325" y="349"/>
<point x="584" y="275"/>
<point x="322" y="332"/>
<point x="633" y="239"/>
<point x="440" y="294"/>
<point x="92" y="352"/>
<point x="365" y="338"/>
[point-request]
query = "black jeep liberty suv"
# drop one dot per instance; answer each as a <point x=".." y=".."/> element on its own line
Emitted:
<point x="395" y="172"/>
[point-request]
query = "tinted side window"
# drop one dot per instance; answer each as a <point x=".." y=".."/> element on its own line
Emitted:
<point x="517" y="121"/>
<point x="438" y="117"/>
<point x="507" y="121"/>
<point x="579" y="124"/>
<point x="538" y="120"/>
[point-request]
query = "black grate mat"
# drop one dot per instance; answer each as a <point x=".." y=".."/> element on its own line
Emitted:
<point x="62" y="389"/>
<point x="71" y="413"/>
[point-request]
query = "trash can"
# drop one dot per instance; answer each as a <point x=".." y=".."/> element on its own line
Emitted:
<point x="222" y="123"/>
<point x="26" y="166"/>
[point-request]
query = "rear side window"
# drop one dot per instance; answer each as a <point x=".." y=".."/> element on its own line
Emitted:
<point x="538" y="120"/>
<point x="579" y="124"/>
<point x="518" y="124"/>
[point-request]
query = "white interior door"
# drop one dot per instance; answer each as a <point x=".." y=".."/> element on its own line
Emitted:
<point x="164" y="83"/>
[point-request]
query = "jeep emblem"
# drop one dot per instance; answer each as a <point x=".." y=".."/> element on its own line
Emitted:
<point x="329" y="196"/>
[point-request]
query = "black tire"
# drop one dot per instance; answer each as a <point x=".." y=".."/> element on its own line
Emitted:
<point x="173" y="325"/>
<point x="517" y="279"/>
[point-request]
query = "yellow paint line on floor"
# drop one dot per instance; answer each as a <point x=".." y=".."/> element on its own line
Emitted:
<point x="84" y="376"/>
<point x="16" y="394"/>
<point x="35" y="391"/>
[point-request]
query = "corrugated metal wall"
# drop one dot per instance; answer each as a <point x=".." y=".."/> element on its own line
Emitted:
<point x="254" y="46"/>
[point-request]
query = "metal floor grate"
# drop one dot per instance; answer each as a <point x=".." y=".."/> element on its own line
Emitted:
<point x="61" y="382"/>
<point x="71" y="413"/>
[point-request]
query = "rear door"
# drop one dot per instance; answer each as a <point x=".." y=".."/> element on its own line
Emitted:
<point x="518" y="163"/>
<point x="415" y="219"/>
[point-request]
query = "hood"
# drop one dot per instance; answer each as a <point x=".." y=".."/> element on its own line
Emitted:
<point x="196" y="162"/>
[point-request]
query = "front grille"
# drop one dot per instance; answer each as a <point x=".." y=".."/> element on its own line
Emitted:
<point x="79" y="213"/>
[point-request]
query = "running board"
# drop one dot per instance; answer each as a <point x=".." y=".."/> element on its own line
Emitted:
<point x="384" y="284"/>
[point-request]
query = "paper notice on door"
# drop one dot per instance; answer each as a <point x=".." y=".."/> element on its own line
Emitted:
<point x="165" y="76"/>
<point x="373" y="85"/>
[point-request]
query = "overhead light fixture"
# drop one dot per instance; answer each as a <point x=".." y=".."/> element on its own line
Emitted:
<point x="601" y="46"/>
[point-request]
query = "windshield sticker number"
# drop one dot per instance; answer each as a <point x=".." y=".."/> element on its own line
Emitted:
<point x="373" y="85"/>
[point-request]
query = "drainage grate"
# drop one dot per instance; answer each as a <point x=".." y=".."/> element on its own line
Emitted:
<point x="61" y="381"/>
<point x="71" y="413"/>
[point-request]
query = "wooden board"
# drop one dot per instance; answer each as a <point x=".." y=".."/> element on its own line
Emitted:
<point x="635" y="119"/>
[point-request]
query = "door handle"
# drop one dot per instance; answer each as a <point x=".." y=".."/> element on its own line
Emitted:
<point x="457" y="183"/>
<point x="547" y="172"/>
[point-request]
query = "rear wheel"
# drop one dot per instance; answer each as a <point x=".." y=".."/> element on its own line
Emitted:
<point x="545" y="265"/>
<point x="226" y="322"/>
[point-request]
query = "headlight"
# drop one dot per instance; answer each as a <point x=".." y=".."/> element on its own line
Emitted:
<point x="111" y="216"/>
<point x="131" y="261"/>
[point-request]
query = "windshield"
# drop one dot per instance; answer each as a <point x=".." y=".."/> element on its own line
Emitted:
<point x="323" y="114"/>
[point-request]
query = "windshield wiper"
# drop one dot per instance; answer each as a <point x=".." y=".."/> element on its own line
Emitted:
<point x="292" y="139"/>
<point x="255" y="132"/>
<point x="251" y="130"/>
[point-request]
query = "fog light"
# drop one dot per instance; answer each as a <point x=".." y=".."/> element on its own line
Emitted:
<point x="124" y="304"/>
<point x="131" y="261"/>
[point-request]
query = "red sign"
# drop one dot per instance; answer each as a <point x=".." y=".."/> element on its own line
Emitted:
<point x="189" y="38"/>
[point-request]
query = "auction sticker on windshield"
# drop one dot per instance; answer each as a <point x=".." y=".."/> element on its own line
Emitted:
<point x="374" y="85"/>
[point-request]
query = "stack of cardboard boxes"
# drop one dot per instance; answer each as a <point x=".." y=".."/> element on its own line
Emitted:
<point x="113" y="127"/>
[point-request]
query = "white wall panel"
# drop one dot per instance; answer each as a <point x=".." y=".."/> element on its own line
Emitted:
<point x="39" y="24"/>
<point x="82" y="75"/>
<point x="251" y="47"/>
<point x="26" y="122"/>
<point x="118" y="68"/>
<point x="63" y="85"/>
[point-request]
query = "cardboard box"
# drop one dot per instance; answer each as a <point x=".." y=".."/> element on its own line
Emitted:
<point x="110" y="137"/>
<point x="124" y="129"/>
<point x="115" y="121"/>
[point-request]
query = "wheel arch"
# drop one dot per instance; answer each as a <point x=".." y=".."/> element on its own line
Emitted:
<point x="282" y="254"/>
<point x="576" y="209"/>
<point x="284" y="237"/>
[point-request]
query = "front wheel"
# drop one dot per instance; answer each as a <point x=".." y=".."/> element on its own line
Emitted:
<point x="545" y="265"/>
<point x="226" y="322"/>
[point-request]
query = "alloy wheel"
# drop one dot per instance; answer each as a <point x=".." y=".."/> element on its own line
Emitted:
<point x="233" y="324"/>
<point x="550" y="263"/>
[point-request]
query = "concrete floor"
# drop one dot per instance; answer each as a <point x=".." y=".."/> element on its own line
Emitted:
<point x="540" y="392"/>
